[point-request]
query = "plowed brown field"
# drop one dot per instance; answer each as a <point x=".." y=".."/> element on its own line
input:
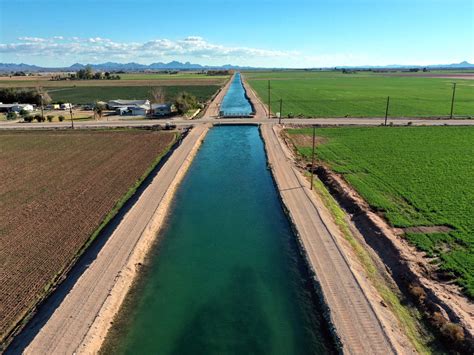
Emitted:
<point x="56" y="189"/>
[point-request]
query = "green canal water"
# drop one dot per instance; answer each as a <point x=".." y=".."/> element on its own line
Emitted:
<point x="226" y="276"/>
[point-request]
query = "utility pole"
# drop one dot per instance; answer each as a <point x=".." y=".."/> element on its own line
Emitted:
<point x="452" y="100"/>
<point x="72" y="119"/>
<point x="281" y="108"/>
<point x="386" y="109"/>
<point x="269" y="103"/>
<point x="312" y="158"/>
<point x="151" y="106"/>
<point x="42" y="109"/>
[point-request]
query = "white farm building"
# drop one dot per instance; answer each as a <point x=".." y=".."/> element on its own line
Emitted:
<point x="16" y="107"/>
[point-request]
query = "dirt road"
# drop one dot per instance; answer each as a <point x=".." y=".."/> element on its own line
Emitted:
<point x="211" y="119"/>
<point x="261" y="111"/>
<point x="351" y="313"/>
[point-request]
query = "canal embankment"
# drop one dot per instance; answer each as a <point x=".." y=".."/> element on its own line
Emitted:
<point x="357" y="324"/>
<point x="259" y="108"/>
<point x="213" y="108"/>
<point x="97" y="332"/>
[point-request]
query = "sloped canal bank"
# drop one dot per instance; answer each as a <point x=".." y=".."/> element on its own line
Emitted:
<point x="226" y="275"/>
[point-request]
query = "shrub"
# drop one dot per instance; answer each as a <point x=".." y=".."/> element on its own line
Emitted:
<point x="453" y="332"/>
<point x="11" y="115"/>
<point x="61" y="118"/>
<point x="39" y="118"/>
<point x="50" y="118"/>
<point x="184" y="102"/>
<point x="27" y="118"/>
<point x="418" y="292"/>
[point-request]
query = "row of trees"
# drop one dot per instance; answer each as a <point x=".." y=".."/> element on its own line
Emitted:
<point x="24" y="96"/>
<point x="88" y="74"/>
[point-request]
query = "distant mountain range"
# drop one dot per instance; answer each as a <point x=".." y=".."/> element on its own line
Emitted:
<point x="111" y="66"/>
<point x="174" y="65"/>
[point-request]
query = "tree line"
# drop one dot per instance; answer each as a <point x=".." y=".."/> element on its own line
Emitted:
<point x="24" y="96"/>
<point x="88" y="74"/>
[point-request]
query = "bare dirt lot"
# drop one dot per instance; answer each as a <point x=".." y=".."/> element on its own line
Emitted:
<point x="57" y="188"/>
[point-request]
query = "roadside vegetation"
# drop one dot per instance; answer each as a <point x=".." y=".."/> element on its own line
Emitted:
<point x="54" y="205"/>
<point x="420" y="178"/>
<point x="362" y="94"/>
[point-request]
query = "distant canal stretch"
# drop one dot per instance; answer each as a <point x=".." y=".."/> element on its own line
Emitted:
<point x="235" y="102"/>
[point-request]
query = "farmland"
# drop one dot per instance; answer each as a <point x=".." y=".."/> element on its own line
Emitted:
<point x="58" y="188"/>
<point x="131" y="86"/>
<point x="84" y="94"/>
<point x="420" y="178"/>
<point x="164" y="76"/>
<point x="363" y="94"/>
<point x="128" y="79"/>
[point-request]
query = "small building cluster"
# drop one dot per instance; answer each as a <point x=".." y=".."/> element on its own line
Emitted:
<point x="16" y="107"/>
<point x="139" y="108"/>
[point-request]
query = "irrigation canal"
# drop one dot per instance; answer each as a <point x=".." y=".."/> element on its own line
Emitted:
<point x="226" y="275"/>
<point x="235" y="102"/>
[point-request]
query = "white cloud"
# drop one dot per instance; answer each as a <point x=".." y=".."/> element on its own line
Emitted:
<point x="32" y="39"/>
<point x="102" y="49"/>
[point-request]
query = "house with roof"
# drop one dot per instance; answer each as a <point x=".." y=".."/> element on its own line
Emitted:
<point x="114" y="104"/>
<point x="160" y="110"/>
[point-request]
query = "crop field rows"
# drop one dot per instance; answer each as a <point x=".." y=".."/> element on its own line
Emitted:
<point x="420" y="178"/>
<point x="58" y="187"/>
<point x="333" y="94"/>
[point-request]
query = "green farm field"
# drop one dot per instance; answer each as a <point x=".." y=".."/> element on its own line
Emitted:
<point x="84" y="94"/>
<point x="364" y="94"/>
<point x="414" y="176"/>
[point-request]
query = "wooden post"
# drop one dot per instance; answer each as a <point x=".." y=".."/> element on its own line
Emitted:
<point x="386" y="109"/>
<point x="72" y="118"/>
<point x="312" y="158"/>
<point x="42" y="109"/>
<point x="452" y="101"/>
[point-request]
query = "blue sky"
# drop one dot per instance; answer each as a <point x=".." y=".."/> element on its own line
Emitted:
<point x="278" y="33"/>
